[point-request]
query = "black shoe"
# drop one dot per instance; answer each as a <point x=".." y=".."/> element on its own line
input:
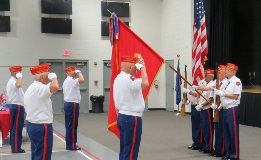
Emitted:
<point x="195" y="148"/>
<point x="20" y="151"/>
<point x="74" y="149"/>
<point x="205" y="151"/>
<point x="218" y="155"/>
<point x="190" y="147"/>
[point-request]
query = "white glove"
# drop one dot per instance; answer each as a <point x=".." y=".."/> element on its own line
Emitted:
<point x="139" y="66"/>
<point x="219" y="93"/>
<point x="220" y="107"/>
<point x="194" y="87"/>
<point x="213" y="106"/>
<point x="77" y="71"/>
<point x="19" y="75"/>
<point x="51" y="76"/>
<point x="185" y="90"/>
<point x="199" y="107"/>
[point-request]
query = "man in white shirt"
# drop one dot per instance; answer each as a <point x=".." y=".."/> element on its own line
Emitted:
<point x="38" y="107"/>
<point x="230" y="99"/>
<point x="196" y="128"/>
<point x="72" y="98"/>
<point x="219" y="136"/>
<point x="15" y="96"/>
<point x="129" y="101"/>
<point x="206" y="113"/>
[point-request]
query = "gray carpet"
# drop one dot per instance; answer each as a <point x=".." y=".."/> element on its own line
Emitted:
<point x="165" y="136"/>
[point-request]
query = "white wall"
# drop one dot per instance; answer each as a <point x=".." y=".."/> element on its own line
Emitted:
<point x="176" y="36"/>
<point x="166" y="25"/>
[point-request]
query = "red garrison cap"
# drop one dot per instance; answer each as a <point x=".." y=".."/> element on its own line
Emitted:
<point x="232" y="66"/>
<point x="15" y="69"/>
<point x="209" y="71"/>
<point x="70" y="69"/>
<point x="129" y="59"/>
<point x="40" y="69"/>
<point x="222" y="68"/>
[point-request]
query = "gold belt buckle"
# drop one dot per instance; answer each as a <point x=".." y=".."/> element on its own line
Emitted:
<point x="225" y="107"/>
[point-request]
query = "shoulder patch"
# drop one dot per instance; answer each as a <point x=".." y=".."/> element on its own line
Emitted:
<point x="238" y="83"/>
<point x="132" y="78"/>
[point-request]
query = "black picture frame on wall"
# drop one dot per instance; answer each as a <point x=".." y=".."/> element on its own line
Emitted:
<point x="4" y="5"/>
<point x="56" y="6"/>
<point x="56" y="25"/>
<point x="121" y="9"/>
<point x="5" y="24"/>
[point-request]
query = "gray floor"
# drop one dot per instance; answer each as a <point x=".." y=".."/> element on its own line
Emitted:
<point x="165" y="137"/>
<point x="91" y="150"/>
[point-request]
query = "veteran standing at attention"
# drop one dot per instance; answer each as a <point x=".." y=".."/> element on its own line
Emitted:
<point x="129" y="101"/>
<point x="230" y="99"/>
<point x="72" y="98"/>
<point x="38" y="107"/>
<point x="15" y="96"/>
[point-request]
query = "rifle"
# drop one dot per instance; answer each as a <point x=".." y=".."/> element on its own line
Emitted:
<point x="216" y="111"/>
<point x="185" y="98"/>
<point x="186" y="81"/>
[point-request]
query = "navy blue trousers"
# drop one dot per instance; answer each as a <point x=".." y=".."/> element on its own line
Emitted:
<point x="231" y="132"/>
<point x="130" y="128"/>
<point x="71" y="110"/>
<point x="196" y="127"/>
<point x="219" y="136"/>
<point x="207" y="129"/>
<point x="41" y="136"/>
<point x="17" y="123"/>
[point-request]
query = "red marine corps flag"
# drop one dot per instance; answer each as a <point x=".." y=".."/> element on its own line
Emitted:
<point x="126" y="43"/>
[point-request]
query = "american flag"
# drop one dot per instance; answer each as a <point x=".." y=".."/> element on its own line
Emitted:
<point x="200" y="43"/>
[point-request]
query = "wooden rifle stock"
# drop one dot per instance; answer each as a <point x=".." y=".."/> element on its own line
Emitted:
<point x="185" y="98"/>
<point x="216" y="111"/>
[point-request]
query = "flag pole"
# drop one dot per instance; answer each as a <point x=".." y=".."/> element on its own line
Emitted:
<point x="109" y="11"/>
<point x="176" y="88"/>
<point x="178" y="111"/>
<point x="186" y="81"/>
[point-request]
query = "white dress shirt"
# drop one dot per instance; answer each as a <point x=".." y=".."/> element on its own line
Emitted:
<point x="233" y="86"/>
<point x="15" y="95"/>
<point x="37" y="103"/>
<point x="207" y="94"/>
<point x="71" y="90"/>
<point x="127" y="95"/>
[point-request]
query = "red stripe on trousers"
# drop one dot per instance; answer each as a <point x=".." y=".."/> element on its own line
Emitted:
<point x="134" y="137"/>
<point x="45" y="141"/>
<point x="74" y="108"/>
<point x="235" y="132"/>
<point x="16" y="128"/>
<point x="223" y="145"/>
<point x="210" y="131"/>
<point x="200" y="130"/>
